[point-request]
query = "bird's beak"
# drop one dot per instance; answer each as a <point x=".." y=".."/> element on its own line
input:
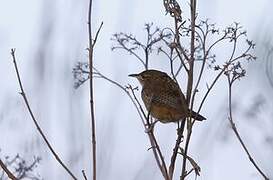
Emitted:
<point x="133" y="75"/>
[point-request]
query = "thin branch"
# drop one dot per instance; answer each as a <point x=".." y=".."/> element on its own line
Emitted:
<point x="195" y="166"/>
<point x="209" y="89"/>
<point x="122" y="46"/>
<point x="233" y="126"/>
<point x="91" y="88"/>
<point x="178" y="70"/>
<point x="189" y="132"/>
<point x="7" y="171"/>
<point x="180" y="131"/>
<point x="205" y="54"/>
<point x="24" y="169"/>
<point x="91" y="93"/>
<point x="84" y="175"/>
<point x="129" y="43"/>
<point x="34" y="119"/>
<point x="228" y="63"/>
<point x="97" y="33"/>
<point x="139" y="106"/>
<point x="162" y="166"/>
<point x="181" y="59"/>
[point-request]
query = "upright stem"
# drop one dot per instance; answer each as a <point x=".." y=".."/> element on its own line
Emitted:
<point x="190" y="83"/>
<point x="181" y="126"/>
<point x="191" y="61"/>
<point x="180" y="131"/>
<point x="91" y="91"/>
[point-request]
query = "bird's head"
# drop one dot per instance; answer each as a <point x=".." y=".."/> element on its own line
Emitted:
<point x="148" y="76"/>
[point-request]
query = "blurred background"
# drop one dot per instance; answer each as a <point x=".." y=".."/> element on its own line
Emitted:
<point x="50" y="37"/>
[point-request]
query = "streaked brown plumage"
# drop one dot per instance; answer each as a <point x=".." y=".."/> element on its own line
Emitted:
<point x="163" y="97"/>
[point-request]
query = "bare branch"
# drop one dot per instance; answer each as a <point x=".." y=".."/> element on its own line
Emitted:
<point x="91" y="88"/>
<point x="232" y="76"/>
<point x="179" y="138"/>
<point x="34" y="119"/>
<point x="84" y="175"/>
<point x="97" y="34"/>
<point x="195" y="166"/>
<point x="7" y="171"/>
<point x="129" y="43"/>
<point x="189" y="84"/>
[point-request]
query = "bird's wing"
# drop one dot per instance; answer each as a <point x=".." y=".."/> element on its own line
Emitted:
<point x="175" y="92"/>
<point x="147" y="96"/>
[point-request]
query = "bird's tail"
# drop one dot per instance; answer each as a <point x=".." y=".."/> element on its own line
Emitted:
<point x="197" y="117"/>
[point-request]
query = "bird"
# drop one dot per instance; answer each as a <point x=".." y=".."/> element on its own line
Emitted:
<point x="163" y="97"/>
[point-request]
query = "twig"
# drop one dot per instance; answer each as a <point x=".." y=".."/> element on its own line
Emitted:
<point x="130" y="44"/>
<point x="84" y="175"/>
<point x="189" y="132"/>
<point x="23" y="170"/>
<point x="205" y="55"/>
<point x="97" y="34"/>
<point x="180" y="131"/>
<point x="7" y="171"/>
<point x="195" y="166"/>
<point x="233" y="126"/>
<point x="91" y="87"/>
<point x="34" y="119"/>
<point x="181" y="59"/>
<point x="122" y="46"/>
<point x="163" y="166"/>
<point x="209" y="89"/>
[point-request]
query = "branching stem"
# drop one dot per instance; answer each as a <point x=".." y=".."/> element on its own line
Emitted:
<point x="236" y="132"/>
